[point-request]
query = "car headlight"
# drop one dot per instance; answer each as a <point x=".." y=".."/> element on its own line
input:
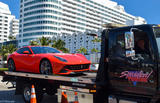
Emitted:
<point x="61" y="59"/>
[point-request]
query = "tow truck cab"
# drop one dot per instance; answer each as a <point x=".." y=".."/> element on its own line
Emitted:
<point x="129" y="69"/>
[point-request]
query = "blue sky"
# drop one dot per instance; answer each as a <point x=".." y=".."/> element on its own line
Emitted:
<point x="13" y="5"/>
<point x="149" y="9"/>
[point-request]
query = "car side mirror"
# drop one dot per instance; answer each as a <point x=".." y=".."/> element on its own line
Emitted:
<point x="26" y="52"/>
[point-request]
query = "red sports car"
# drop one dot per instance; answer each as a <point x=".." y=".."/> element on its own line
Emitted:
<point x="46" y="60"/>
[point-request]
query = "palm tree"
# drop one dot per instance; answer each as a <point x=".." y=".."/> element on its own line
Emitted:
<point x="44" y="41"/>
<point x="11" y="37"/>
<point x="60" y="45"/>
<point x="3" y="53"/>
<point x="96" y="40"/>
<point x="33" y="43"/>
<point x="82" y="50"/>
<point x="6" y="50"/>
<point x="11" y="48"/>
<point x="94" y="50"/>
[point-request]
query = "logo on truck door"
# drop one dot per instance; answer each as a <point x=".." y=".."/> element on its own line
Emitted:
<point x="136" y="76"/>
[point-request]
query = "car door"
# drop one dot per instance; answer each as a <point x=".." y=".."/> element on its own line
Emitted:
<point x="130" y="74"/>
<point x="25" y="62"/>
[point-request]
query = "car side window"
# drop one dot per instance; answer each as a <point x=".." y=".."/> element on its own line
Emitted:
<point x="20" y="51"/>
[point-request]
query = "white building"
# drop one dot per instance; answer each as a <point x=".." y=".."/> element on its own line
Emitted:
<point x="136" y="21"/>
<point x="77" y="40"/>
<point x="8" y="24"/>
<point x="54" y="17"/>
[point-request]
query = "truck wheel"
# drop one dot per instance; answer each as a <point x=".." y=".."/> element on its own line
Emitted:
<point x="45" y="67"/>
<point x="27" y="94"/>
<point x="11" y="65"/>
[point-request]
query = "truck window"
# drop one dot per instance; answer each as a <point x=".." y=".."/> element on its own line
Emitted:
<point x="119" y="47"/>
<point x="157" y="34"/>
<point x="142" y="45"/>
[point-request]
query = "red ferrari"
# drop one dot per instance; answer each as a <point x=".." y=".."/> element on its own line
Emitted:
<point x="46" y="60"/>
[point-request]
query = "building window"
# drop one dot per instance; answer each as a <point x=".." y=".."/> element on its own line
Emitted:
<point x="40" y="17"/>
<point x="41" y="6"/>
<point x="41" y="28"/>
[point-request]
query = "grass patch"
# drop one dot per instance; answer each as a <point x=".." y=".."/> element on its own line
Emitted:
<point x="3" y="69"/>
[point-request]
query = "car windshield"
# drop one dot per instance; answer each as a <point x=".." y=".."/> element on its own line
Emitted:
<point x="40" y="50"/>
<point x="157" y="34"/>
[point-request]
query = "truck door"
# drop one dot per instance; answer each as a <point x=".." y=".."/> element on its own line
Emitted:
<point x="129" y="70"/>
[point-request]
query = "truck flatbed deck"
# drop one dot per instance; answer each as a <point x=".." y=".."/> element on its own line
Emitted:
<point x="86" y="80"/>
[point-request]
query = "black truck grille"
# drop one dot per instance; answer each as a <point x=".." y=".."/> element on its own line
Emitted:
<point x="77" y="67"/>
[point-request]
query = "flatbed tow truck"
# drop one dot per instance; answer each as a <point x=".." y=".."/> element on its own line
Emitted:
<point x="126" y="71"/>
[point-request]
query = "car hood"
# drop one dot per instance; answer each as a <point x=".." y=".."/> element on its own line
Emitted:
<point x="72" y="58"/>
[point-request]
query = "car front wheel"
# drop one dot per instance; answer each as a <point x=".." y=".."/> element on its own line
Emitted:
<point x="45" y="67"/>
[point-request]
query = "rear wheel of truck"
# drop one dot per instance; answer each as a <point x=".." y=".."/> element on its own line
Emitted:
<point x="26" y="93"/>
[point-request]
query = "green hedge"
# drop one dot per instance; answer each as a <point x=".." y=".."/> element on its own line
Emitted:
<point x="3" y="69"/>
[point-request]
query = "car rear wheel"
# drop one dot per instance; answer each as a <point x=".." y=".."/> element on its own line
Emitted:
<point x="11" y="65"/>
<point x="45" y="67"/>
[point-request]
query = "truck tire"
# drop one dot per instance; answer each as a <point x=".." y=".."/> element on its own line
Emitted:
<point x="26" y="93"/>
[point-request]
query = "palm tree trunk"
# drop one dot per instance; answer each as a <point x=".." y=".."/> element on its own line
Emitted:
<point x="2" y="62"/>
